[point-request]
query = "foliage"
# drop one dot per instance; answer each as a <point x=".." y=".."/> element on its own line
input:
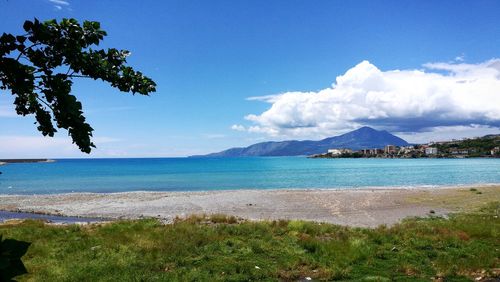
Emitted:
<point x="11" y="252"/>
<point x="38" y="68"/>
<point x="477" y="146"/>
<point x="460" y="248"/>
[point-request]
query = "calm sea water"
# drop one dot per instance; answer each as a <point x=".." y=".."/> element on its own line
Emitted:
<point x="194" y="174"/>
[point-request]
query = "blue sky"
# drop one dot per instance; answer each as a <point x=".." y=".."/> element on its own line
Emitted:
<point x="209" y="57"/>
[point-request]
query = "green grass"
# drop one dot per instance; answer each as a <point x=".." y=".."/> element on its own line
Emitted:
<point x="220" y="248"/>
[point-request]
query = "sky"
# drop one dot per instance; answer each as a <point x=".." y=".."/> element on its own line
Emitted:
<point x="234" y="73"/>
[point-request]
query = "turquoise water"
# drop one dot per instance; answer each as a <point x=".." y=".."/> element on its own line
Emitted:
<point x="194" y="174"/>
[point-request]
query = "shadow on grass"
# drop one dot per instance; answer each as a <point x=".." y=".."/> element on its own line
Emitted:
<point x="11" y="252"/>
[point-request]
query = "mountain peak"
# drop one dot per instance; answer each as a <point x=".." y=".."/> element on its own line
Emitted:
<point x="365" y="129"/>
<point x="365" y="133"/>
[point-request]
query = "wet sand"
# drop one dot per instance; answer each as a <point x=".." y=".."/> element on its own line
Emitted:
<point x="354" y="207"/>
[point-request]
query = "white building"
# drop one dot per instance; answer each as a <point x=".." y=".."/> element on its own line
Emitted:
<point x="431" y="151"/>
<point x="390" y="149"/>
<point x="371" y="152"/>
<point x="406" y="149"/>
<point x="337" y="152"/>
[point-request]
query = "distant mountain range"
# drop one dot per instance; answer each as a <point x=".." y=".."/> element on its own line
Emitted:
<point x="362" y="138"/>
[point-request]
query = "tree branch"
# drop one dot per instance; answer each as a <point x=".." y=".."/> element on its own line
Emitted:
<point x="71" y="75"/>
<point x="81" y="76"/>
<point x="36" y="95"/>
<point x="19" y="56"/>
<point x="26" y="48"/>
<point x="44" y="102"/>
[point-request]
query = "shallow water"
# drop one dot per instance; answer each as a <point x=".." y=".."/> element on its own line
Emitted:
<point x="194" y="174"/>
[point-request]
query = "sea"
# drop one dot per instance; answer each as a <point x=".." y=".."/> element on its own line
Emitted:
<point x="206" y="174"/>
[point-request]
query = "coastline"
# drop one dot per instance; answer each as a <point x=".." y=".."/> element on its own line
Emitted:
<point x="25" y="161"/>
<point x="363" y="207"/>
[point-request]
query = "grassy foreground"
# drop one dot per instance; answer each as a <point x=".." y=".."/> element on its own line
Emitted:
<point x="461" y="248"/>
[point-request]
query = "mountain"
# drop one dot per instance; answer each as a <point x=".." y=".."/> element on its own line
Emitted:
<point x="362" y="138"/>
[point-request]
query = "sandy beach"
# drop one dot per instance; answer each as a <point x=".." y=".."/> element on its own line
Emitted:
<point x="362" y="207"/>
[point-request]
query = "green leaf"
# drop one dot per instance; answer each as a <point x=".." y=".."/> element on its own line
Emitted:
<point x="27" y="25"/>
<point x="21" y="39"/>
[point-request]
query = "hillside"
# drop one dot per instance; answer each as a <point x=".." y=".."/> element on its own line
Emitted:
<point x="471" y="147"/>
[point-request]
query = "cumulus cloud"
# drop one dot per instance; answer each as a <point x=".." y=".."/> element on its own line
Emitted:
<point x="439" y="95"/>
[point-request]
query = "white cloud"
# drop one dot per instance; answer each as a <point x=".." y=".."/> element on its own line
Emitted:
<point x="441" y="95"/>
<point x="238" y="127"/>
<point x="460" y="58"/>
<point x="7" y="111"/>
<point x="267" y="98"/>
<point x="60" y="4"/>
<point x="21" y="146"/>
<point x="35" y="146"/>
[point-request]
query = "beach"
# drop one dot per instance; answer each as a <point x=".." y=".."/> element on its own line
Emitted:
<point x="351" y="207"/>
<point x="352" y="192"/>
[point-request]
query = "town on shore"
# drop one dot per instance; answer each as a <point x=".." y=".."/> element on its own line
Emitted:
<point x="483" y="147"/>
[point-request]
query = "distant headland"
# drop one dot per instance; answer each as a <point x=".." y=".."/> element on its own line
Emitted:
<point x="10" y="161"/>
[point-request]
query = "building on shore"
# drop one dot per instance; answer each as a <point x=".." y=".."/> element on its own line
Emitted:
<point x="459" y="152"/>
<point x="371" y="152"/>
<point x="338" y="152"/>
<point x="406" y="150"/>
<point x="495" y="151"/>
<point x="390" y="149"/>
<point x="431" y="151"/>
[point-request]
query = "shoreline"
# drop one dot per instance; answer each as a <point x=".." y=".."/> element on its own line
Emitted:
<point x="363" y="207"/>
<point x="361" y="188"/>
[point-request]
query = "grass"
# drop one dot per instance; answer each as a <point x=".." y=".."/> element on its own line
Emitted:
<point x="218" y="248"/>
